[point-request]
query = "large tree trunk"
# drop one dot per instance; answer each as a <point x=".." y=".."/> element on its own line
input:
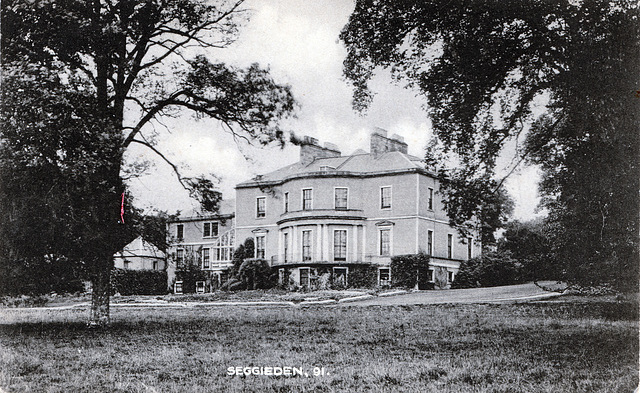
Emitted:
<point x="99" y="315"/>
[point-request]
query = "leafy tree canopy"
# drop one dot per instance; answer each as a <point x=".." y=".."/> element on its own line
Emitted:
<point x="83" y="80"/>
<point x="483" y="66"/>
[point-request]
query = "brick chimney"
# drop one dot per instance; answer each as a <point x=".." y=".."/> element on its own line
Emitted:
<point x="310" y="150"/>
<point x="381" y="144"/>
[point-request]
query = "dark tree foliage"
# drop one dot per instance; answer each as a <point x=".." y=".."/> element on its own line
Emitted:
<point x="39" y="276"/>
<point x="529" y="243"/>
<point x="491" y="269"/>
<point x="153" y="228"/>
<point x="255" y="273"/>
<point x="242" y="252"/>
<point x="82" y="81"/>
<point x="495" y="211"/>
<point x="482" y="66"/>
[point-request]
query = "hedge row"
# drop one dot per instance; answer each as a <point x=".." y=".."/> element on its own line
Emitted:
<point x="138" y="282"/>
<point x="39" y="276"/>
<point x="489" y="270"/>
<point x="363" y="276"/>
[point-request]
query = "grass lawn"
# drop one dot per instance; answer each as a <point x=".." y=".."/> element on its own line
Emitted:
<point x="538" y="347"/>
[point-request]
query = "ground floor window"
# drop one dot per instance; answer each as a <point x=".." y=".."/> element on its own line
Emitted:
<point x="179" y="258"/>
<point x="384" y="276"/>
<point x="450" y="276"/>
<point x="340" y="245"/>
<point x="155" y="265"/>
<point x="306" y="245"/>
<point x="177" y="287"/>
<point x="199" y="286"/>
<point x="340" y="276"/>
<point x="430" y="275"/>
<point x="385" y="242"/>
<point x="260" y="247"/>
<point x="205" y="258"/>
<point x="304" y="277"/>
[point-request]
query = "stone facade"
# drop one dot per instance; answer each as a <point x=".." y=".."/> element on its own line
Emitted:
<point x="332" y="214"/>
<point x="201" y="247"/>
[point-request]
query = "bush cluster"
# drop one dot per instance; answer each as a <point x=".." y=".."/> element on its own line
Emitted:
<point x="39" y="276"/>
<point x="255" y="273"/>
<point x="489" y="270"/>
<point x="138" y="282"/>
<point x="409" y="270"/>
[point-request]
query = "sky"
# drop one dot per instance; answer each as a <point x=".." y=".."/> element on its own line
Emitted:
<point x="298" y="41"/>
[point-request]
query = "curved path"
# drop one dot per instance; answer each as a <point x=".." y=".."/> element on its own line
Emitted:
<point x="505" y="294"/>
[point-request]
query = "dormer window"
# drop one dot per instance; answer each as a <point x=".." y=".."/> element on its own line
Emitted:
<point x="326" y="168"/>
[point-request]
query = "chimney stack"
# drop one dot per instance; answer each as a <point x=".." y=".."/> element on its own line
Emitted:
<point x="381" y="144"/>
<point x="310" y="150"/>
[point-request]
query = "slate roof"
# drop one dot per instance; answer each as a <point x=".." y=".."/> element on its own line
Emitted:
<point x="227" y="208"/>
<point x="140" y="248"/>
<point x="360" y="163"/>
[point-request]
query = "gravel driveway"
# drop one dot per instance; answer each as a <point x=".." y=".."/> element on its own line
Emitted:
<point x="505" y="294"/>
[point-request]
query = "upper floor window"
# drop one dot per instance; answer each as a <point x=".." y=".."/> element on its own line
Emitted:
<point x="430" y="200"/>
<point x="340" y="245"/>
<point x="306" y="245"/>
<point x="429" y="242"/>
<point x="286" y="202"/>
<point x="385" y="242"/>
<point x="210" y="229"/>
<point x="341" y="196"/>
<point x="261" y="207"/>
<point x="180" y="231"/>
<point x="307" y="199"/>
<point x="385" y="197"/>
<point x="449" y="246"/>
<point x="260" y="247"/>
<point x="470" y="248"/>
<point x="205" y="258"/>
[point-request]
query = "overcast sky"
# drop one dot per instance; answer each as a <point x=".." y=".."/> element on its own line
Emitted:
<point x="298" y="41"/>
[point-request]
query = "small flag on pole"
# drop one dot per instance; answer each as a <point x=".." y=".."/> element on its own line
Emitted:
<point x="122" y="209"/>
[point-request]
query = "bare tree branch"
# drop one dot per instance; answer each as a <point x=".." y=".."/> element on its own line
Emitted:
<point x="165" y="159"/>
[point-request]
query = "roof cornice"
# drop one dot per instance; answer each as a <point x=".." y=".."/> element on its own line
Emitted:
<point x="203" y="217"/>
<point x="332" y="174"/>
